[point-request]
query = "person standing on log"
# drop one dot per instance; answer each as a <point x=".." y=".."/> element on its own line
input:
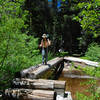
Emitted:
<point x="45" y="42"/>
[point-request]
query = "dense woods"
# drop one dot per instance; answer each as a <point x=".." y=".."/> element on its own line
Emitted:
<point x="72" y="25"/>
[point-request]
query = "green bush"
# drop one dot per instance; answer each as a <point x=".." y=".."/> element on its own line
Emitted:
<point x="17" y="50"/>
<point x="62" y="54"/>
<point x="93" y="52"/>
<point x="93" y="88"/>
<point x="50" y="56"/>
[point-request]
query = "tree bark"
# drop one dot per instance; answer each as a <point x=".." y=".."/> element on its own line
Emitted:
<point x="28" y="94"/>
<point x="82" y="61"/>
<point x="38" y="84"/>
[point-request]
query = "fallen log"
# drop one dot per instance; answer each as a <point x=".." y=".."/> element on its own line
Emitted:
<point x="81" y="76"/>
<point x="25" y="71"/>
<point x="38" y="84"/>
<point x="76" y="73"/>
<point x="59" y="87"/>
<point x="82" y="61"/>
<point x="59" y="84"/>
<point x="35" y="71"/>
<point x="60" y="92"/>
<point x="28" y="94"/>
<point x="32" y="84"/>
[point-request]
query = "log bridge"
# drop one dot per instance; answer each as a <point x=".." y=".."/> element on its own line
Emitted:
<point x="28" y="86"/>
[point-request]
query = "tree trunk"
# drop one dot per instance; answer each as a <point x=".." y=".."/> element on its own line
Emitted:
<point x="38" y="84"/>
<point x="28" y="94"/>
<point x="82" y="61"/>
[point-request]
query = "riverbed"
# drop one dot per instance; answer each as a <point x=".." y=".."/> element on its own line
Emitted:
<point x="75" y="81"/>
<point x="74" y="85"/>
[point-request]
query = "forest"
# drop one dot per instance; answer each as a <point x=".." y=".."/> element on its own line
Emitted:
<point x="72" y="26"/>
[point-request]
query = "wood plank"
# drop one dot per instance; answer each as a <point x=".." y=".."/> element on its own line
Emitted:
<point x="28" y="94"/>
<point x="38" y="84"/>
<point x="87" y="62"/>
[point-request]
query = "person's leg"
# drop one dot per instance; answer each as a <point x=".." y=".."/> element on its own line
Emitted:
<point x="42" y="59"/>
<point x="43" y="54"/>
<point x="46" y="55"/>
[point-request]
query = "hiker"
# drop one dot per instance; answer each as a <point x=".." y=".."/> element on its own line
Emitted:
<point x="45" y="42"/>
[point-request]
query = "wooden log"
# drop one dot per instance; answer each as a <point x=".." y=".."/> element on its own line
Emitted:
<point x="38" y="84"/>
<point x="28" y="94"/>
<point x="33" y="84"/>
<point x="57" y="84"/>
<point x="41" y="69"/>
<point x="60" y="92"/>
<point x="72" y="71"/>
<point x="25" y="71"/>
<point x="86" y="62"/>
<point x="75" y="73"/>
<point x="33" y="71"/>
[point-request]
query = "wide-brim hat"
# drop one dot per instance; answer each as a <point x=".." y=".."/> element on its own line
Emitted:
<point x="44" y="36"/>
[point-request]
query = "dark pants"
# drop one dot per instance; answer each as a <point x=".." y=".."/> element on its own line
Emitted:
<point x="44" y="55"/>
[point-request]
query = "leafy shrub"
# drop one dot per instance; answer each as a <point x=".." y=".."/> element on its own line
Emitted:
<point x="92" y="84"/>
<point x="93" y="52"/>
<point x="50" y="55"/>
<point x="17" y="50"/>
<point x="62" y="54"/>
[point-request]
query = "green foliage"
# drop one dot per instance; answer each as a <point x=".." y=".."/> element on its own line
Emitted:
<point x="84" y="97"/>
<point x="93" y="88"/>
<point x="50" y="56"/>
<point x="17" y="50"/>
<point x="62" y="54"/>
<point x="89" y="17"/>
<point x="92" y="71"/>
<point x="93" y="52"/>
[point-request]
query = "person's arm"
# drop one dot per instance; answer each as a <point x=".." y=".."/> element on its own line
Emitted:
<point x="41" y="44"/>
<point x="49" y="42"/>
